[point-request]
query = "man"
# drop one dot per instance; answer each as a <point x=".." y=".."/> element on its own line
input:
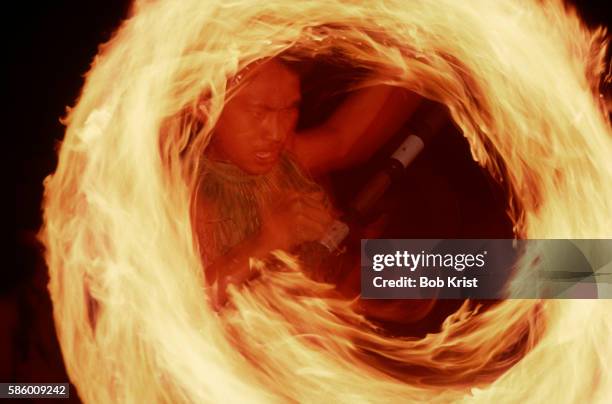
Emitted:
<point x="256" y="194"/>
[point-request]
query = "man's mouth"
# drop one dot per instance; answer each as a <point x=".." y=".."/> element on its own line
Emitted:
<point x="266" y="156"/>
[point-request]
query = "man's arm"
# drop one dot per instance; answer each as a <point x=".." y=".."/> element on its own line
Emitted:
<point x="363" y="123"/>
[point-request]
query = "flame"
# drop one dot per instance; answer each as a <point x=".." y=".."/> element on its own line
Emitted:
<point x="521" y="80"/>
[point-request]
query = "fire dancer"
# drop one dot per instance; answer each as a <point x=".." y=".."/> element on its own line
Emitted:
<point x="256" y="192"/>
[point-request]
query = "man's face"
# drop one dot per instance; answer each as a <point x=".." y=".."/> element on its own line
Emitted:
<point x="256" y="124"/>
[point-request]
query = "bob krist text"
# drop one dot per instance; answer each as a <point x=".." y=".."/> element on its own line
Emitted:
<point x="425" y="269"/>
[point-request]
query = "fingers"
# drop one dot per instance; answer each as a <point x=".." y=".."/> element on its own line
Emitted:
<point x="323" y="216"/>
<point x="288" y="202"/>
<point x="301" y="216"/>
<point x="316" y="200"/>
<point x="315" y="213"/>
<point x="308" y="229"/>
<point x="317" y="196"/>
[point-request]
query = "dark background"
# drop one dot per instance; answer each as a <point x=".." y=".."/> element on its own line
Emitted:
<point x="49" y="54"/>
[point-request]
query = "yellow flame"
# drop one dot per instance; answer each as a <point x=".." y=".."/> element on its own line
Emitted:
<point x="520" y="78"/>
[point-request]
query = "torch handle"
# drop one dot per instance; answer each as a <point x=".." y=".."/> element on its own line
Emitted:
<point x="429" y="119"/>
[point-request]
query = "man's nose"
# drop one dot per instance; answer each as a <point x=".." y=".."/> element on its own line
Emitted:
<point x="275" y="128"/>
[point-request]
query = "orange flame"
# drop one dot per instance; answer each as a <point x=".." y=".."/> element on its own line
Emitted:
<point x="520" y="78"/>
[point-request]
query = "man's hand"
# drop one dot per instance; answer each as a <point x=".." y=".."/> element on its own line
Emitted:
<point x="296" y="219"/>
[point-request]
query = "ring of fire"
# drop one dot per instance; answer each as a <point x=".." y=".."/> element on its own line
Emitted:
<point x="521" y="80"/>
